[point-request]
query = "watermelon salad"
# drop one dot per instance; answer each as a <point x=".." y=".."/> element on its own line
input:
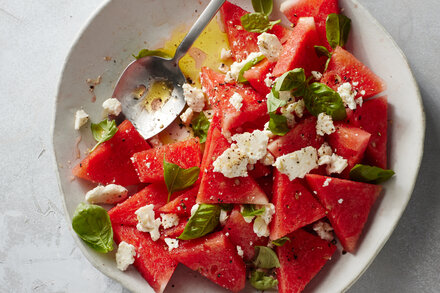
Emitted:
<point x="287" y="149"/>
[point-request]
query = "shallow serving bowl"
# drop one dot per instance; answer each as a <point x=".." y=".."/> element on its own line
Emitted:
<point x="120" y="28"/>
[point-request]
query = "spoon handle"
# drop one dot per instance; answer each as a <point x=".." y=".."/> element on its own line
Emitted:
<point x="197" y="28"/>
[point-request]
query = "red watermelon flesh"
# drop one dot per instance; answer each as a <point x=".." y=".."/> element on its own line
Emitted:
<point x="257" y="74"/>
<point x="295" y="206"/>
<point x="210" y="80"/>
<point x="318" y="9"/>
<point x="242" y="234"/>
<point x="299" y="50"/>
<point x="216" y="188"/>
<point x="259" y="170"/>
<point x="215" y="124"/>
<point x="182" y="204"/>
<point x="344" y="67"/>
<point x="300" y="136"/>
<point x="372" y="117"/>
<point x="348" y="204"/>
<point x="152" y="258"/>
<point x="266" y="184"/>
<point x="216" y="258"/>
<point x="149" y="163"/>
<point x="301" y="259"/>
<point x="110" y="162"/>
<point x="175" y="231"/>
<point x="349" y="142"/>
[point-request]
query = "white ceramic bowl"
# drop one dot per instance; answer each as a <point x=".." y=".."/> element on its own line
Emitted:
<point x="120" y="28"/>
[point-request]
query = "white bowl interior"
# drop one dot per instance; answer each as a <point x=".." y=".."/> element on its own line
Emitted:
<point x="121" y="28"/>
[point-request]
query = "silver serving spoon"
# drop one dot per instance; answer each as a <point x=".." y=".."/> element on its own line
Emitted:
<point x="139" y="75"/>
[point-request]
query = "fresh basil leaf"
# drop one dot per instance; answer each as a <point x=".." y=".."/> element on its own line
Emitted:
<point x="204" y="221"/>
<point x="327" y="63"/>
<point x="92" y="224"/>
<point x="103" y="131"/>
<point x="290" y="80"/>
<point x="248" y="66"/>
<point x="320" y="98"/>
<point x="337" y="29"/>
<point x="177" y="178"/>
<point x="273" y="101"/>
<point x="257" y="22"/>
<point x="281" y="241"/>
<point x="200" y="126"/>
<point x="263" y="6"/>
<point x="278" y="124"/>
<point x="226" y="206"/>
<point x="322" y="51"/>
<point x="262" y="282"/>
<point x="265" y="258"/>
<point x="370" y="174"/>
<point x="250" y="210"/>
<point x="145" y="52"/>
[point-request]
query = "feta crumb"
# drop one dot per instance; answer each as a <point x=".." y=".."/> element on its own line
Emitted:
<point x="209" y="114"/>
<point x="299" y="108"/>
<point x="269" y="211"/>
<point x="223" y="217"/>
<point x="261" y="228"/>
<point x="112" y="106"/>
<point x="246" y="219"/>
<point x="172" y="243"/>
<point x="155" y="141"/>
<point x="232" y="163"/>
<point x="81" y="118"/>
<point x="109" y="194"/>
<point x="335" y="163"/>
<point x="194" y="209"/>
<point x="285" y="96"/>
<point x="225" y="54"/>
<point x="147" y="222"/>
<point x="187" y="116"/>
<point x="223" y="68"/>
<point x="227" y="234"/>
<point x="270" y="46"/>
<point x="298" y="163"/>
<point x="268" y="159"/>
<point x="324" y="124"/>
<point x="325" y="149"/>
<point x="359" y="101"/>
<point x="169" y="220"/>
<point x="347" y="95"/>
<point x="295" y="107"/>
<point x="253" y="145"/>
<point x="326" y="182"/>
<point x="232" y="74"/>
<point x="340" y="201"/>
<point x="194" y="97"/>
<point x="323" y="229"/>
<point x="317" y="75"/>
<point x="236" y="101"/>
<point x="362" y="92"/>
<point x="268" y="81"/>
<point x="239" y="251"/>
<point x="125" y="255"/>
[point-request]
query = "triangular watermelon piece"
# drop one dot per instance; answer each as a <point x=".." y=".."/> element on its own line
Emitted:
<point x="242" y="234"/>
<point x="216" y="188"/>
<point x="348" y="204"/>
<point x="301" y="259"/>
<point x="182" y="204"/>
<point x="259" y="170"/>
<point x="295" y="206"/>
<point x="344" y="67"/>
<point x="110" y="162"/>
<point x="300" y="136"/>
<point x="216" y="258"/>
<point x="372" y="117"/>
<point x="210" y="80"/>
<point x="149" y="163"/>
<point x="266" y="184"/>
<point x="299" y="51"/>
<point x="256" y="76"/>
<point x="215" y="124"/>
<point x="152" y="258"/>
<point x="175" y="231"/>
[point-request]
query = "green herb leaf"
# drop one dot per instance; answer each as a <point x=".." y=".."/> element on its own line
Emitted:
<point x="145" y="52"/>
<point x="262" y="282"/>
<point x="370" y="174"/>
<point x="250" y="210"/>
<point x="327" y="63"/>
<point x="281" y="241"/>
<point x="204" y="221"/>
<point x="177" y="178"/>
<point x="273" y="101"/>
<point x="337" y="29"/>
<point x="320" y="98"/>
<point x="290" y="80"/>
<point x="92" y="224"/>
<point x="257" y="22"/>
<point x="322" y="51"/>
<point x="278" y="124"/>
<point x="263" y="6"/>
<point x="226" y="206"/>
<point x="103" y="131"/>
<point x="200" y="125"/>
<point x="265" y="258"/>
<point x="248" y="66"/>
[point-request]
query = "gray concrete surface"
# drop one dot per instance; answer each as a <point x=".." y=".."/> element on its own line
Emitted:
<point x="37" y="252"/>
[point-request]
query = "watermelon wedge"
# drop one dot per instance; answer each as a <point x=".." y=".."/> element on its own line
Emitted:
<point x="348" y="204"/>
<point x="301" y="259"/>
<point x="182" y="204"/>
<point x="210" y="80"/>
<point x="256" y="76"/>
<point x="295" y="206"/>
<point x="175" y="231"/>
<point x="259" y="170"/>
<point x="216" y="258"/>
<point x="152" y="258"/>
<point x="110" y="162"/>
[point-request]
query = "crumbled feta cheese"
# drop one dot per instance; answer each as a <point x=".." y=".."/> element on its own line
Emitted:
<point x="299" y="108"/>
<point x="240" y="251"/>
<point x="297" y="164"/>
<point x="362" y="93"/>
<point x="269" y="211"/>
<point x="147" y="222"/>
<point x="81" y="118"/>
<point x="253" y="145"/>
<point x="261" y="228"/>
<point x="194" y="209"/>
<point x="323" y="229"/>
<point x="172" y="243"/>
<point x="335" y="163"/>
<point x="246" y="219"/>
<point x="109" y="194"/>
<point x="209" y="114"/>
<point x="268" y="159"/>
<point x="194" y="97"/>
<point x="324" y="124"/>
<point x="125" y="255"/>
<point x="112" y="106"/>
<point x="187" y="116"/>
<point x="347" y="95"/>
<point x="169" y="220"/>
<point x="223" y="68"/>
<point x="326" y="182"/>
<point x="317" y="75"/>
<point x="232" y="163"/>
<point x="359" y="101"/>
<point x="236" y="101"/>
<point x="325" y="149"/>
<point x="225" y="54"/>
<point x="155" y="141"/>
<point x="232" y="74"/>
<point x="340" y="201"/>
<point x="268" y="81"/>
<point x="270" y="46"/>
<point x="285" y="96"/>
<point x="223" y="217"/>
<point x="295" y="107"/>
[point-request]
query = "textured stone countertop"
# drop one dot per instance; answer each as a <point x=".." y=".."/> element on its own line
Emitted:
<point x="37" y="251"/>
